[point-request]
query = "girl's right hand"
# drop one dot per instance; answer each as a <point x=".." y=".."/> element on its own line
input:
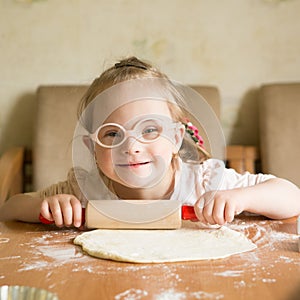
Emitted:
<point x="63" y="209"/>
<point x="220" y="207"/>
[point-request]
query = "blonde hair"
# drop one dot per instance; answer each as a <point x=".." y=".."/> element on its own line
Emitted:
<point x="133" y="68"/>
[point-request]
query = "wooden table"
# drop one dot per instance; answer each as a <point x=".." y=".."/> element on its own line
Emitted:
<point x="45" y="257"/>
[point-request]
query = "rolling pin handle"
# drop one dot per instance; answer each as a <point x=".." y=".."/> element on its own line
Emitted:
<point x="44" y="220"/>
<point x="188" y="213"/>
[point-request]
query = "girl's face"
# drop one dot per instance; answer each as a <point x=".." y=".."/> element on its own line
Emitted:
<point x="136" y="163"/>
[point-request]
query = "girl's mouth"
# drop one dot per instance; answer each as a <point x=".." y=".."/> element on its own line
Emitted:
<point x="134" y="164"/>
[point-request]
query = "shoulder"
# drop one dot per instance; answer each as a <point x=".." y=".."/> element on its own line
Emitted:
<point x="206" y="168"/>
<point x="208" y="173"/>
<point x="76" y="174"/>
<point x="69" y="186"/>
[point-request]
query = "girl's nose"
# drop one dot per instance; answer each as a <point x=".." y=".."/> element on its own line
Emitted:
<point x="132" y="146"/>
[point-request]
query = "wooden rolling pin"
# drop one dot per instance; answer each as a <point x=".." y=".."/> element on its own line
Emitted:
<point x="134" y="214"/>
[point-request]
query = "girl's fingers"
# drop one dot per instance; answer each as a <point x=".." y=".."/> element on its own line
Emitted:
<point x="208" y="212"/>
<point x="219" y="212"/>
<point x="77" y="212"/>
<point x="45" y="210"/>
<point x="199" y="209"/>
<point x="229" y="212"/>
<point x="56" y="213"/>
<point x="63" y="210"/>
<point x="67" y="213"/>
<point x="217" y="207"/>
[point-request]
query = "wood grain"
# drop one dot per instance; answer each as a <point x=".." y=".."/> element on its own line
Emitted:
<point x="45" y="257"/>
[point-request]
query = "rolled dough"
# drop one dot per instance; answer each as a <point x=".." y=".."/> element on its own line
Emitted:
<point x="157" y="246"/>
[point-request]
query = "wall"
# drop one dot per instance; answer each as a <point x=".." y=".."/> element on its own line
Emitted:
<point x="236" y="45"/>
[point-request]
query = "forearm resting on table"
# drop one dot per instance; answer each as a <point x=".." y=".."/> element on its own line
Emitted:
<point x="21" y="207"/>
<point x="275" y="198"/>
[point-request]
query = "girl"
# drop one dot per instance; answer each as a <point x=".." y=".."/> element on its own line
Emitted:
<point x="135" y="143"/>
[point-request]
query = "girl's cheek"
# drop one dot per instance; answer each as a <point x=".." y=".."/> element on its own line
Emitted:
<point x="164" y="148"/>
<point x="103" y="159"/>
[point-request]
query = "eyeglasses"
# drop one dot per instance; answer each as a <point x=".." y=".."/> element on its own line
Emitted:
<point x="112" y="135"/>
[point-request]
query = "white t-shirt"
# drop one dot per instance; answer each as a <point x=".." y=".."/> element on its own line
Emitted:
<point x="193" y="180"/>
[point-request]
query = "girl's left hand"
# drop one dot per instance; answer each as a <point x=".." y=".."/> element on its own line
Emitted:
<point x="219" y="207"/>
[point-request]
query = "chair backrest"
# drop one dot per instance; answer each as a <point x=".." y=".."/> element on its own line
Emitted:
<point x="279" y="107"/>
<point x="54" y="128"/>
<point x="55" y="124"/>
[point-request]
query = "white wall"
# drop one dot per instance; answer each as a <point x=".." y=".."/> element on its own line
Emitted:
<point x="236" y="45"/>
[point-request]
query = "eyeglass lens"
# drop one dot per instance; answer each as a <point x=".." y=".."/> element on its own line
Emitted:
<point x="145" y="131"/>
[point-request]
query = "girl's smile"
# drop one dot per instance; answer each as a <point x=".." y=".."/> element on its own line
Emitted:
<point x="134" y="165"/>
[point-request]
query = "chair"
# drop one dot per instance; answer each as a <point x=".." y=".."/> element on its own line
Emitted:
<point x="51" y="153"/>
<point x="279" y="109"/>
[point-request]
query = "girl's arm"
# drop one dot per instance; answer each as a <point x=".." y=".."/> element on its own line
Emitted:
<point x="56" y="203"/>
<point x="275" y="198"/>
<point x="63" y="209"/>
<point x="21" y="207"/>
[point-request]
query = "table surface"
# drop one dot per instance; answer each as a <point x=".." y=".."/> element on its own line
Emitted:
<point x="45" y="257"/>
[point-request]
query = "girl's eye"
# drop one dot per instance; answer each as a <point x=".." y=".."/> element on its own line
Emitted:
<point x="151" y="133"/>
<point x="111" y="137"/>
<point x="112" y="134"/>
<point x="150" y="130"/>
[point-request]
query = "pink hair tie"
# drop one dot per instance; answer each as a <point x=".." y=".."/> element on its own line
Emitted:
<point x="193" y="131"/>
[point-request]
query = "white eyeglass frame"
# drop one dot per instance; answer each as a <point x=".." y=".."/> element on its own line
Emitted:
<point x="133" y="133"/>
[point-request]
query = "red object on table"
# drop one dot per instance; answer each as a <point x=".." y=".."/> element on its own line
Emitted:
<point x="188" y="213"/>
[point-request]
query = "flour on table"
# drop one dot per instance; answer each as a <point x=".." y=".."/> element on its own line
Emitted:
<point x="157" y="246"/>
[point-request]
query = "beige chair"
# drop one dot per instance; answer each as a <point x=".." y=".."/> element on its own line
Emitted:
<point x="55" y="124"/>
<point x="279" y="106"/>
<point x="54" y="127"/>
